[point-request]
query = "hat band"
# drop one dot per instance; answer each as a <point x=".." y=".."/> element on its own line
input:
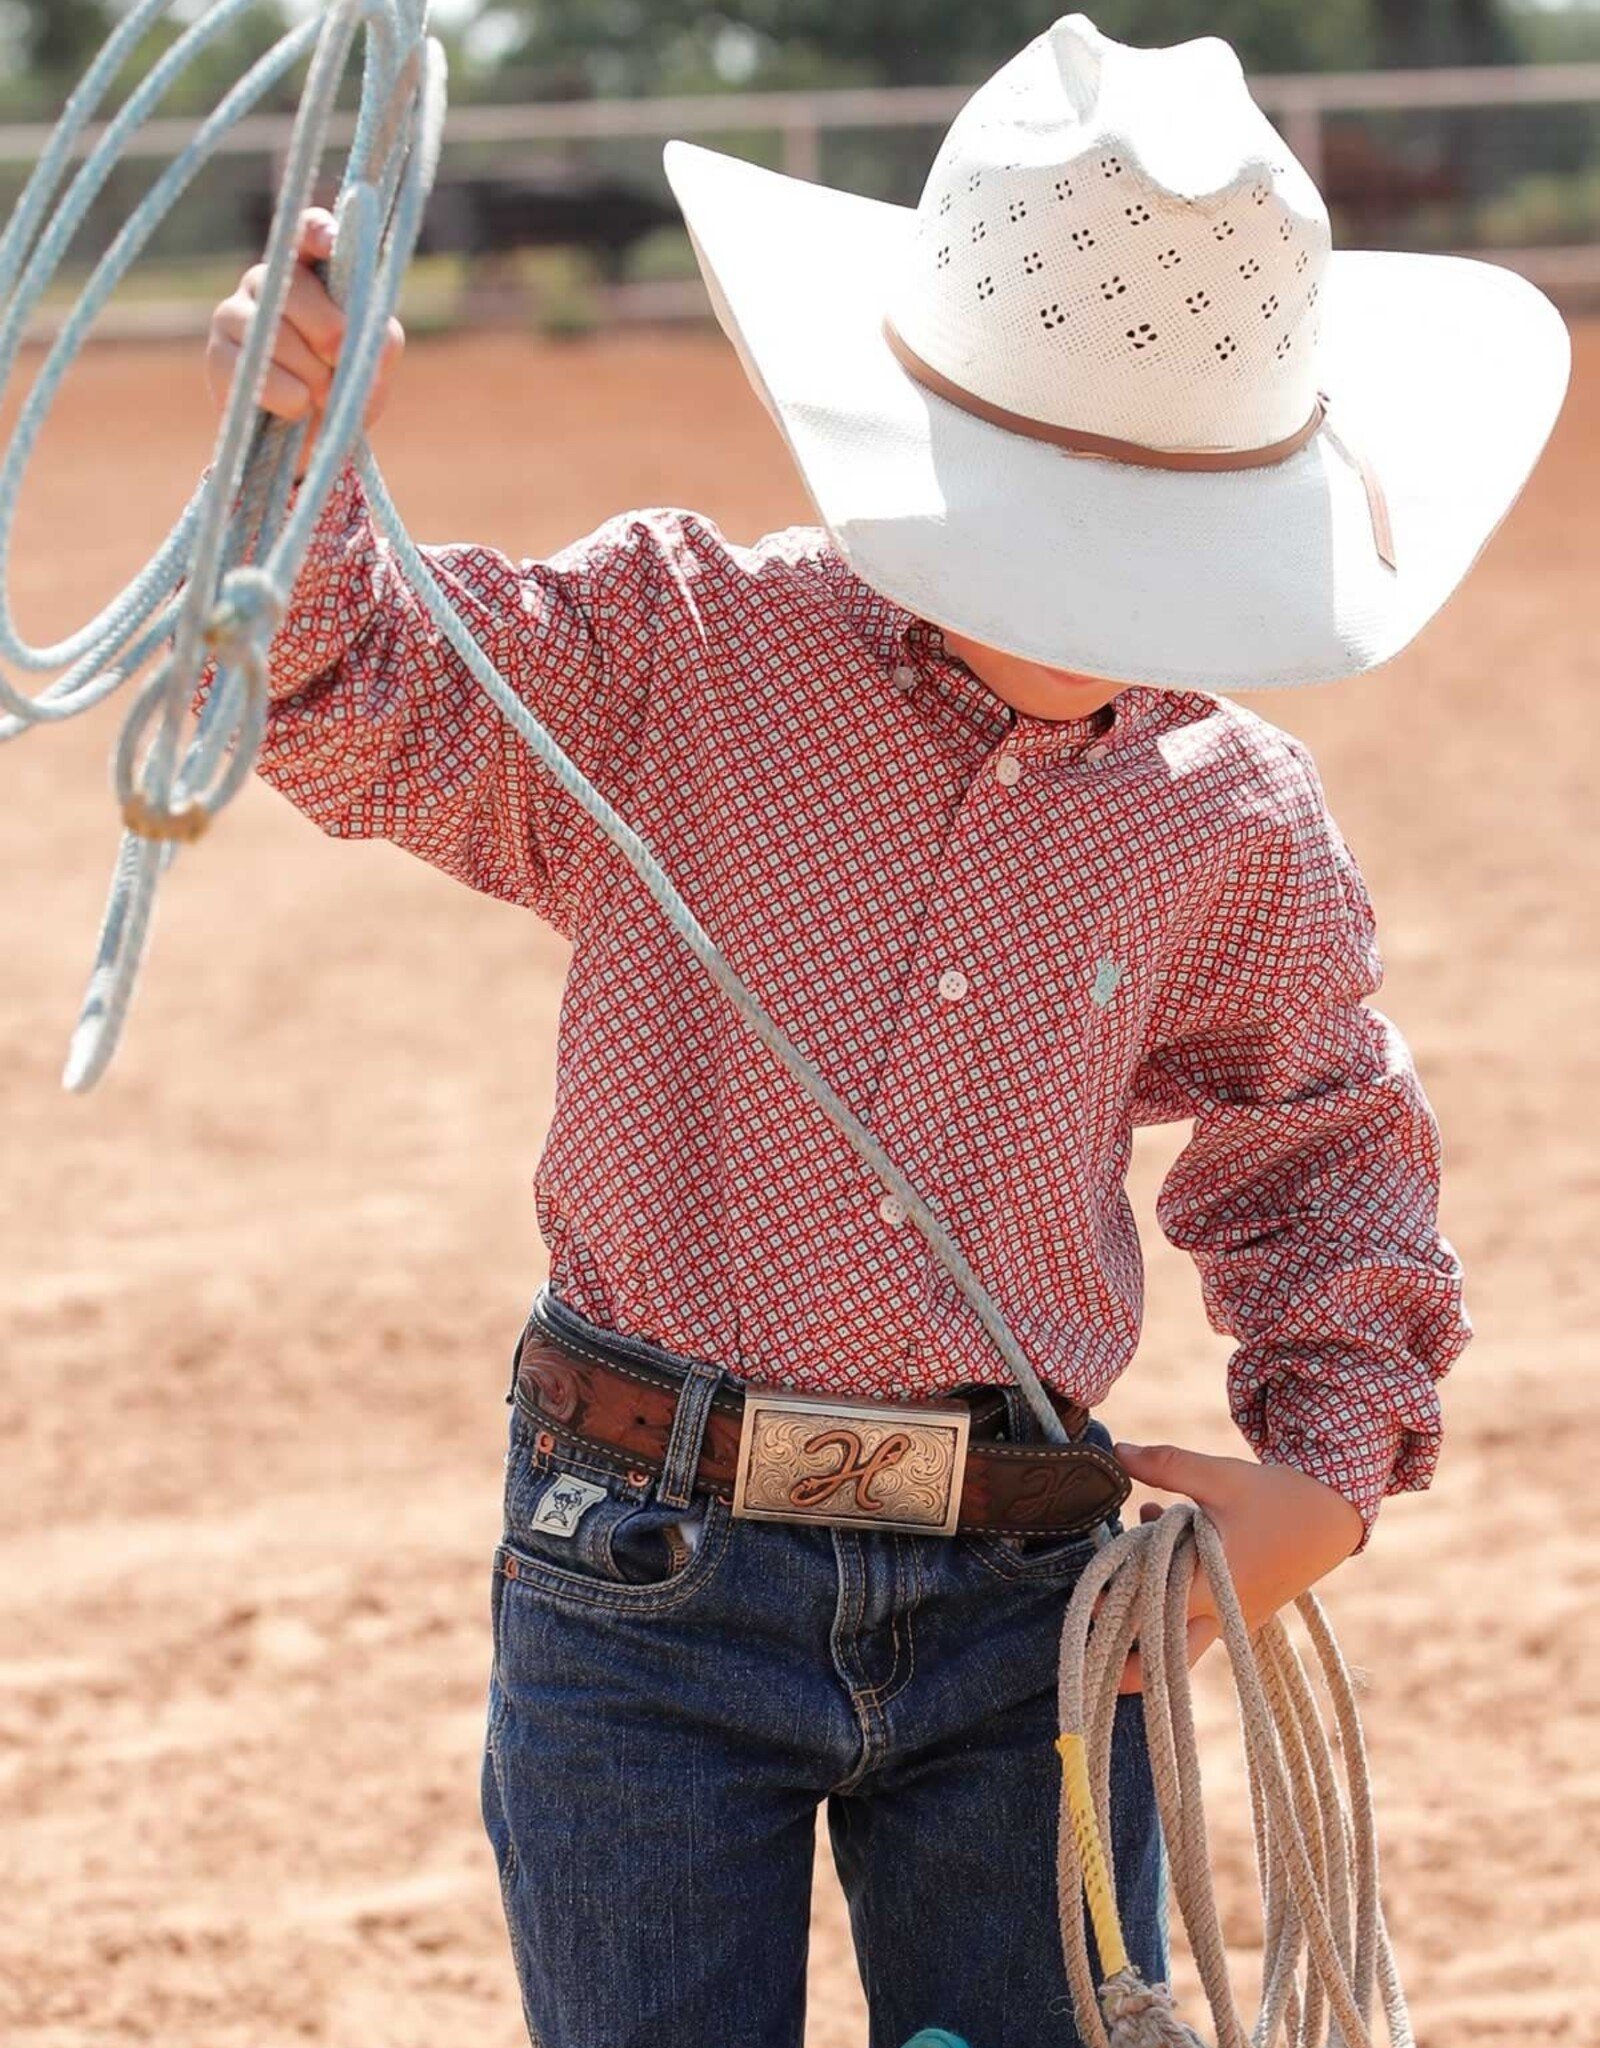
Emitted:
<point x="1108" y="449"/>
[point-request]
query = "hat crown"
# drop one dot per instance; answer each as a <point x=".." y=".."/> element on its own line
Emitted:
<point x="1118" y="242"/>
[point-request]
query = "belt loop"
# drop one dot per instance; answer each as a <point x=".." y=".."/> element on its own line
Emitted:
<point x="701" y="1381"/>
<point x="1020" y="1427"/>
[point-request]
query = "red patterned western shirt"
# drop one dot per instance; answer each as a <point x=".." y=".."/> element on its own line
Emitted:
<point x="1005" y="940"/>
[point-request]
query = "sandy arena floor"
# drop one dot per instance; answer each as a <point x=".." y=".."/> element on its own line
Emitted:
<point x="260" y="1291"/>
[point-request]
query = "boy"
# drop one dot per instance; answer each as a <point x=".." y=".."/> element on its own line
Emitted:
<point x="946" y="778"/>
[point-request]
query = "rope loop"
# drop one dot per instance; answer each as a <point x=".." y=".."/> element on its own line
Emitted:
<point x="246" y="617"/>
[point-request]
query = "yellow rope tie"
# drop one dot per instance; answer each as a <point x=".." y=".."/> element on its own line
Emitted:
<point x="1096" y="1878"/>
<point x="185" y="824"/>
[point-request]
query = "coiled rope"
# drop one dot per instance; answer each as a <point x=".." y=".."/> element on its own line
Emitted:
<point x="1325" y="1943"/>
<point x="217" y="589"/>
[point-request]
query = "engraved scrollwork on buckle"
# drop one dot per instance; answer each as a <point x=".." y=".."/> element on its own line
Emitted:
<point x="851" y="1464"/>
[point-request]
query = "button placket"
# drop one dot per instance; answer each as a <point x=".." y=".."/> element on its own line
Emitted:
<point x="927" y="1034"/>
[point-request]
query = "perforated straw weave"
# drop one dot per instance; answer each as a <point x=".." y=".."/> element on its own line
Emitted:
<point x="1088" y="253"/>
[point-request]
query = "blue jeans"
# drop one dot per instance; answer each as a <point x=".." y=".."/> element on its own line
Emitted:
<point x="675" y="1693"/>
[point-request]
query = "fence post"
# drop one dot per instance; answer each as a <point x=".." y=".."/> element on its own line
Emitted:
<point x="802" y="147"/>
<point x="1302" y="130"/>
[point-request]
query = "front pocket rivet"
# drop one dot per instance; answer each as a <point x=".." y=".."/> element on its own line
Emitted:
<point x="637" y="1478"/>
<point x="544" y="1443"/>
<point x="511" y="1567"/>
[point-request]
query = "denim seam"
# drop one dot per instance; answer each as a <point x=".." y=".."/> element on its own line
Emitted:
<point x="1016" y="1571"/>
<point x="849" y="1603"/>
<point x="864" y="1700"/>
<point x="546" y="1461"/>
<point x="612" y="1456"/>
<point x="892" y="1687"/>
<point x="507" y="1869"/>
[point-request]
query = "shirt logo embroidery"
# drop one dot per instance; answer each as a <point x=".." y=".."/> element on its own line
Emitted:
<point x="1107" y="980"/>
<point x="564" y="1504"/>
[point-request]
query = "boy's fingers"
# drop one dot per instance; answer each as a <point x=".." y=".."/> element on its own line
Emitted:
<point x="309" y="309"/>
<point x="317" y="231"/>
<point x="291" y="352"/>
<point x="284" y="395"/>
<point x="1211" y="1481"/>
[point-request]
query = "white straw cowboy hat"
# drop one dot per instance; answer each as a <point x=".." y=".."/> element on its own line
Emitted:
<point x="1072" y="404"/>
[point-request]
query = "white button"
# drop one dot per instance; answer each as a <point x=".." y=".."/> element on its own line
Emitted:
<point x="892" y="1210"/>
<point x="1097" y="752"/>
<point x="952" y="984"/>
<point x="904" y="676"/>
<point x="1008" y="770"/>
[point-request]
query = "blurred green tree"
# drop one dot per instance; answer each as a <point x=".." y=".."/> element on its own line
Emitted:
<point x="51" y="42"/>
<point x="54" y="38"/>
<point x="639" y="46"/>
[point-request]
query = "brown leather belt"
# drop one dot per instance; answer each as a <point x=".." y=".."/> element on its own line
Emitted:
<point x="935" y="1467"/>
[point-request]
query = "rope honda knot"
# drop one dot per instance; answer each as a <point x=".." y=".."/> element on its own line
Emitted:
<point x="246" y="616"/>
<point x="182" y="824"/>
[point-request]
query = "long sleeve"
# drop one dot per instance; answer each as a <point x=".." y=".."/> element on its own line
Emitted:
<point x="1308" y="1191"/>
<point x="378" y="730"/>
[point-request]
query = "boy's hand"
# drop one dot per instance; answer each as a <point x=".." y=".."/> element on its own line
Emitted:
<point x="308" y="341"/>
<point x="1281" y="1531"/>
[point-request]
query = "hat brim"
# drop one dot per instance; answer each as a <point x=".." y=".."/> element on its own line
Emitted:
<point x="1447" y="375"/>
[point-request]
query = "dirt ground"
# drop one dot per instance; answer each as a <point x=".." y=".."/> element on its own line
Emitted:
<point x="260" y="1291"/>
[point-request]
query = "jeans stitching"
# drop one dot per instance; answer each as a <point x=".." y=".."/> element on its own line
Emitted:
<point x="727" y="1402"/>
<point x="649" y="1598"/>
<point x="892" y="1687"/>
<point x="1021" y="1571"/>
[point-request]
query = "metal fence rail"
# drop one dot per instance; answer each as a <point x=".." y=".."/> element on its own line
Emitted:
<point x="1297" y="101"/>
<point x="1314" y="112"/>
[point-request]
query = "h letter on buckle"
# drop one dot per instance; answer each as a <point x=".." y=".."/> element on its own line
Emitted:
<point x="851" y="1464"/>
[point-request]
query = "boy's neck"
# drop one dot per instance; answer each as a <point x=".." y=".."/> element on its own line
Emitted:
<point x="1030" y="687"/>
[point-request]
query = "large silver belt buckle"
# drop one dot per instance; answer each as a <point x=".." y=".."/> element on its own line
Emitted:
<point x="851" y="1464"/>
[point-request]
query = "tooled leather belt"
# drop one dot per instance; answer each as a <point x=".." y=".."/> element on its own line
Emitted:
<point x="936" y="1467"/>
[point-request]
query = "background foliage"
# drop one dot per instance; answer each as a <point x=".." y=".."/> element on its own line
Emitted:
<point x="577" y="48"/>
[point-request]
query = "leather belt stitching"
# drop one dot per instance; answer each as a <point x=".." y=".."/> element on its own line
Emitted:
<point x="618" y="1459"/>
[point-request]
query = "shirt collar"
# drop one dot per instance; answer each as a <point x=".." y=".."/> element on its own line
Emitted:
<point x="899" y="638"/>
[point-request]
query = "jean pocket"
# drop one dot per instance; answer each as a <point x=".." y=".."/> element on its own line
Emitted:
<point x="1032" y="1559"/>
<point x="572" y="1524"/>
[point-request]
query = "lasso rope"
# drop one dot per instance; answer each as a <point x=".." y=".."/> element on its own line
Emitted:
<point x="216" y="591"/>
<point x="220" y="584"/>
<point x="1325" y="1943"/>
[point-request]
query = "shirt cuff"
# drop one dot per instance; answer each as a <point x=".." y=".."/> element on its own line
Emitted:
<point x="316" y="628"/>
<point x="1362" y="1450"/>
<point x="343" y="535"/>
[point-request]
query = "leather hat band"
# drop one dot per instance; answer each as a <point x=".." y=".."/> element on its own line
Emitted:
<point x="1107" y="449"/>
